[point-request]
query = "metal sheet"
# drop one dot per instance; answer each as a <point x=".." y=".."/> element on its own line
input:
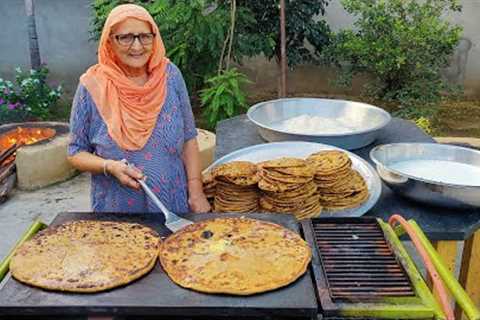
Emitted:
<point x="299" y="149"/>
<point x="156" y="294"/>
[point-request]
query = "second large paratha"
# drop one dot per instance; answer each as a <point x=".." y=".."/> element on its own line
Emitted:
<point x="86" y="256"/>
<point x="235" y="256"/>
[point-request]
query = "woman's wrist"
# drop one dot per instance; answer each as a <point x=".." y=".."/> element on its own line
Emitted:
<point x="107" y="167"/>
<point x="195" y="186"/>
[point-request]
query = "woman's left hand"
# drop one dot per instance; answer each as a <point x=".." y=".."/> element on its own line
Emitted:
<point x="198" y="203"/>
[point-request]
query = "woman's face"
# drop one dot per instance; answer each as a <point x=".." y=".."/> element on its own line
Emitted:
<point x="132" y="42"/>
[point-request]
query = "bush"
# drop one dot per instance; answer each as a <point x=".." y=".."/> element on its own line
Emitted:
<point x="29" y="97"/>
<point x="223" y="98"/>
<point x="403" y="44"/>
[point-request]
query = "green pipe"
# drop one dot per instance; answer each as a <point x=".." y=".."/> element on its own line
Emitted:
<point x="32" y="230"/>
<point x="452" y="284"/>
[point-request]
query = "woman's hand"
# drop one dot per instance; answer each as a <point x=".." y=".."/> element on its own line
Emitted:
<point x="198" y="203"/>
<point x="126" y="175"/>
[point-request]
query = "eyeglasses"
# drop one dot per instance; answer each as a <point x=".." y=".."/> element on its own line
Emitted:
<point x="127" y="39"/>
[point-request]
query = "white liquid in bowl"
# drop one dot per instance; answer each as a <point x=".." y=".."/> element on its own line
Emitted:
<point x="449" y="172"/>
<point x="307" y="124"/>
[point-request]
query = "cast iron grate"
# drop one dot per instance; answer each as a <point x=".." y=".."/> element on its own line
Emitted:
<point x="358" y="262"/>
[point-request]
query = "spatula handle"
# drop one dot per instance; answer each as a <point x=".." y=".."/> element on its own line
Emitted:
<point x="151" y="195"/>
<point x="154" y="198"/>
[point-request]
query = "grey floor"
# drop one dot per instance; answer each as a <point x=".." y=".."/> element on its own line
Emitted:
<point x="23" y="207"/>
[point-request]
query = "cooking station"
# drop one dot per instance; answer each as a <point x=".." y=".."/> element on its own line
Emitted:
<point x="443" y="226"/>
<point x="156" y="294"/>
<point x="355" y="272"/>
<point x="359" y="268"/>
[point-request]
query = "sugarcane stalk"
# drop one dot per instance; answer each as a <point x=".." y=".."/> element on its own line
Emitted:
<point x="31" y="231"/>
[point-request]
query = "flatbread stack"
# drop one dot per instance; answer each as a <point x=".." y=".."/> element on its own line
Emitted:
<point x="86" y="256"/>
<point x="236" y="187"/>
<point x="209" y="187"/>
<point x="237" y="256"/>
<point x="339" y="186"/>
<point x="287" y="187"/>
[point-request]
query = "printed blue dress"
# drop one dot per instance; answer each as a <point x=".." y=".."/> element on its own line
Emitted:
<point x="160" y="159"/>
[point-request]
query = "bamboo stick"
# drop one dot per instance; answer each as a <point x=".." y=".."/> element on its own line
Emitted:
<point x="7" y="187"/>
<point x="4" y="155"/>
<point x="455" y="288"/>
<point x="31" y="231"/>
<point x="6" y="171"/>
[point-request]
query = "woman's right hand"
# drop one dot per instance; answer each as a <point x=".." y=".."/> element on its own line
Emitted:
<point x="125" y="174"/>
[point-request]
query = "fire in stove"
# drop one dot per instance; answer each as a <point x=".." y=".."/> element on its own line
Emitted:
<point x="10" y="141"/>
<point x="24" y="136"/>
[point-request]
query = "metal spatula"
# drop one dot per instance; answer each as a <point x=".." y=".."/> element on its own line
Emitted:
<point x="172" y="221"/>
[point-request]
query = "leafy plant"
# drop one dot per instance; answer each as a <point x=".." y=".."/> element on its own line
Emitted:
<point x="303" y="29"/>
<point x="223" y="97"/>
<point x="403" y="44"/>
<point x="29" y="97"/>
<point x="423" y="117"/>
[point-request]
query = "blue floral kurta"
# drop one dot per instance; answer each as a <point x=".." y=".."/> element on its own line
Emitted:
<point x="160" y="159"/>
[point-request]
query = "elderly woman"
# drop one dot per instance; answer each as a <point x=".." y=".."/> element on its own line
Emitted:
<point x="133" y="105"/>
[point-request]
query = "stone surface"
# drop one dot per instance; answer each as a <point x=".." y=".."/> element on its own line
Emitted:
<point x="467" y="141"/>
<point x="43" y="164"/>
<point x="206" y="145"/>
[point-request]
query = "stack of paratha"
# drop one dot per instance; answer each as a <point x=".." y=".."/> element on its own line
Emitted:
<point x="287" y="186"/>
<point x="209" y="187"/>
<point x="86" y="256"/>
<point x="339" y="186"/>
<point x="235" y="256"/>
<point x="236" y="187"/>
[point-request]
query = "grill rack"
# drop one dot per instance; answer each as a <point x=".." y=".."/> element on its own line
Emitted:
<point x="358" y="262"/>
<point x="346" y="252"/>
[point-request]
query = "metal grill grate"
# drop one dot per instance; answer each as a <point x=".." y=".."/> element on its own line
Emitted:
<point x="358" y="262"/>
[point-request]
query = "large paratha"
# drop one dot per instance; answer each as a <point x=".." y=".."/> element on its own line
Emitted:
<point x="237" y="256"/>
<point x="86" y="256"/>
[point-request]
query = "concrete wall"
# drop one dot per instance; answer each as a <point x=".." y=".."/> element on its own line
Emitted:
<point x="63" y="31"/>
<point x="464" y="68"/>
<point x="13" y="37"/>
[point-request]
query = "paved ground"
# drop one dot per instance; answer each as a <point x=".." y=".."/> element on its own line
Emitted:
<point x="22" y="208"/>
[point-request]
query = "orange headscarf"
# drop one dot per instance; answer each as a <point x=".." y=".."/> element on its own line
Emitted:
<point x="130" y="111"/>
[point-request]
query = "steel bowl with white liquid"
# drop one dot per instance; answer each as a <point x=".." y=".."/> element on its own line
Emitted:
<point x="432" y="173"/>
<point x="344" y="124"/>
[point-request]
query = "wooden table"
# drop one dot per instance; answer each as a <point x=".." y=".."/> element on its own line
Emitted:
<point x="444" y="226"/>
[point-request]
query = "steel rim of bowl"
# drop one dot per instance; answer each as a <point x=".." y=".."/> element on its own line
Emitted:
<point x="438" y="183"/>
<point x="256" y="106"/>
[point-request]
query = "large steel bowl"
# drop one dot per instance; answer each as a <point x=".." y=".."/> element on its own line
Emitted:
<point x="365" y="120"/>
<point x="430" y="190"/>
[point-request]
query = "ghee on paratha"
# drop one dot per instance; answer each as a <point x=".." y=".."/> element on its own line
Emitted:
<point x="86" y="256"/>
<point x="239" y="256"/>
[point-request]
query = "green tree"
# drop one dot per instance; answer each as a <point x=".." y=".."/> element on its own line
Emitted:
<point x="403" y="44"/>
<point x="306" y="34"/>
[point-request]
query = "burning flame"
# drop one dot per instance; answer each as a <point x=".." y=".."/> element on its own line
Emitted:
<point x="24" y="136"/>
